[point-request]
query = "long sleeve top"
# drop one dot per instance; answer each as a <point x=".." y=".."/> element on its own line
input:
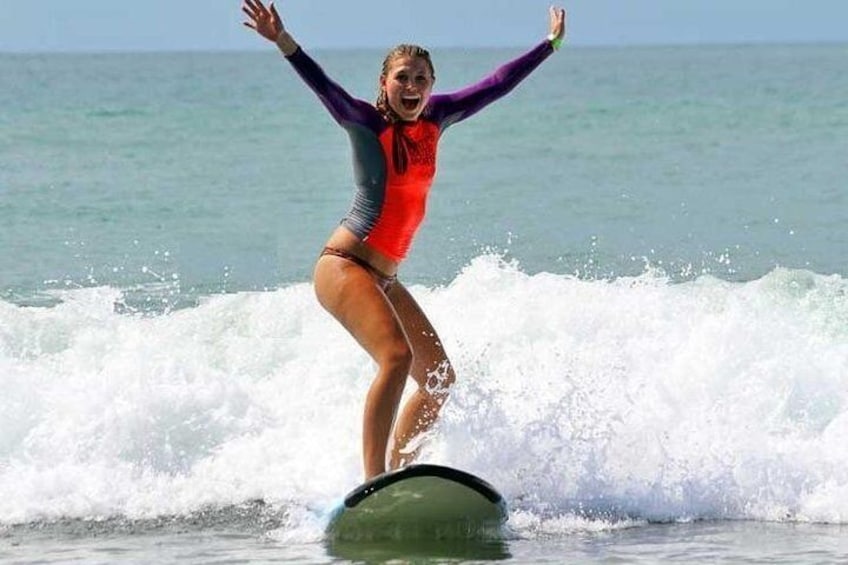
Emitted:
<point x="394" y="163"/>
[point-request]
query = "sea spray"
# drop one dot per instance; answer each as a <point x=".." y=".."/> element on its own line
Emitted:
<point x="585" y="401"/>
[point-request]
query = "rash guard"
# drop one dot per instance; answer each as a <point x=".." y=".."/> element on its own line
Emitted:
<point x="394" y="163"/>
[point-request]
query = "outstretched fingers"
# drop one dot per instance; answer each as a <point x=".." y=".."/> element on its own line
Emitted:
<point x="278" y="21"/>
<point x="557" y="19"/>
<point x="265" y="21"/>
<point x="252" y="11"/>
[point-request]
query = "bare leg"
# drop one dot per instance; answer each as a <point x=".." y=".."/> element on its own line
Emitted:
<point x="432" y="372"/>
<point x="350" y="294"/>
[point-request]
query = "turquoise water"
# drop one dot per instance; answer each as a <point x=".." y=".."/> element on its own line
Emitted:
<point x="222" y="170"/>
<point x="636" y="262"/>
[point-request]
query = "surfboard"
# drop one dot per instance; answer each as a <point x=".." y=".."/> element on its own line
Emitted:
<point x="419" y="501"/>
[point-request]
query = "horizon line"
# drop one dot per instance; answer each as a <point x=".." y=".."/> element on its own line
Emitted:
<point x="580" y="45"/>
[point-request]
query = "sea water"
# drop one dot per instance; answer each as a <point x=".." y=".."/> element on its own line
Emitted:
<point x="636" y="262"/>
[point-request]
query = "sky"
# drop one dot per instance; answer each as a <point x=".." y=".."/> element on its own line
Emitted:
<point x="179" y="25"/>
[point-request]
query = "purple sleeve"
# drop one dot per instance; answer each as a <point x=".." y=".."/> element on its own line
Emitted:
<point x="344" y="108"/>
<point x="448" y="109"/>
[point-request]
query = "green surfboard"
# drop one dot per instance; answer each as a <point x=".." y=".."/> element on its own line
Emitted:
<point x="419" y="502"/>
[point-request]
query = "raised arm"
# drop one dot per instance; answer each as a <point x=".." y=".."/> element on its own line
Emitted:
<point x="448" y="109"/>
<point x="344" y="108"/>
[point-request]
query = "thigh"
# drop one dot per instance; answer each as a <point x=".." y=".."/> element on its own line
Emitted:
<point x="429" y="356"/>
<point x="351" y="294"/>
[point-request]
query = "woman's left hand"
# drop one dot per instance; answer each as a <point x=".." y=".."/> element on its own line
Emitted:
<point x="557" y="22"/>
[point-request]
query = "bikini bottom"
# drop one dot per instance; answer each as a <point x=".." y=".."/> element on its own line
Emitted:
<point x="384" y="281"/>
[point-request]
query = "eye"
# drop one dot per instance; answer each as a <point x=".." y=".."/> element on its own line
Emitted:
<point x="421" y="79"/>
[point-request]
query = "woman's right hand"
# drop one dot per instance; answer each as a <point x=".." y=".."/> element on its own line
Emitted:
<point x="265" y="21"/>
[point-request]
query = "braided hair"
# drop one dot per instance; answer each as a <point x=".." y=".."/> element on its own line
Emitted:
<point x="402" y="50"/>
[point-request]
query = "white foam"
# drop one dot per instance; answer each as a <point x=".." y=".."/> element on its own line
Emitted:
<point x="585" y="402"/>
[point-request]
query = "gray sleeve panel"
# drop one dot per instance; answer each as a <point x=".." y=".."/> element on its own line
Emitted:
<point x="369" y="171"/>
<point x="363" y="124"/>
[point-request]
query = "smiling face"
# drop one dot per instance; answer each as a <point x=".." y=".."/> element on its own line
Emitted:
<point x="407" y="84"/>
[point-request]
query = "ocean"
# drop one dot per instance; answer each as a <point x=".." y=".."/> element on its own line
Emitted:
<point x="636" y="262"/>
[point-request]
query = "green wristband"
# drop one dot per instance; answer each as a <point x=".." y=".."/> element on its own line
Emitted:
<point x="556" y="42"/>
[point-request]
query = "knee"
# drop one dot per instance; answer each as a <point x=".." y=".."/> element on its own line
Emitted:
<point x="396" y="358"/>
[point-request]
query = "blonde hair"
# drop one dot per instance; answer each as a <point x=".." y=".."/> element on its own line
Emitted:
<point x="402" y="50"/>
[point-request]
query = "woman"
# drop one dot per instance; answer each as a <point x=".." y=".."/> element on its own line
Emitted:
<point x="394" y="156"/>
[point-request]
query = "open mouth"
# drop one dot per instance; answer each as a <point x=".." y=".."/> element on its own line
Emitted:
<point x="410" y="102"/>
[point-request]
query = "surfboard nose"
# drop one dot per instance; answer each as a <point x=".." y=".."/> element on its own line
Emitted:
<point x="420" y="501"/>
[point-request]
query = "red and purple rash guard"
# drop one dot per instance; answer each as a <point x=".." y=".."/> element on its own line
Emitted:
<point x="394" y="163"/>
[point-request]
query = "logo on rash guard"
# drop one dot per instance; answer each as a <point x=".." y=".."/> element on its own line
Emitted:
<point x="422" y="149"/>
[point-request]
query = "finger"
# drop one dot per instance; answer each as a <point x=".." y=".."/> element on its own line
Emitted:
<point x="253" y="10"/>
<point x="250" y="25"/>
<point x="277" y="19"/>
<point x="252" y="5"/>
<point x="259" y="8"/>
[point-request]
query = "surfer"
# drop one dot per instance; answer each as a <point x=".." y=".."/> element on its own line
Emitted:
<point x="394" y="144"/>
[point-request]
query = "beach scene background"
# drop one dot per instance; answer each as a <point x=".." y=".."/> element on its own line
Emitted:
<point x="636" y="262"/>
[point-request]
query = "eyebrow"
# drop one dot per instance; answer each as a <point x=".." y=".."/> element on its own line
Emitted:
<point x="424" y="72"/>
